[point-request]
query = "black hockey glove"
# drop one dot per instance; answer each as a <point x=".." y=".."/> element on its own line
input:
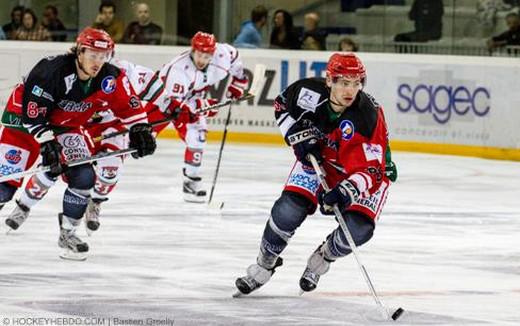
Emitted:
<point x="51" y="157"/>
<point x="343" y="195"/>
<point x="304" y="141"/>
<point x="142" y="140"/>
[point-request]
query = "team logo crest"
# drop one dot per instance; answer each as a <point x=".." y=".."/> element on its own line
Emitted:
<point x="13" y="156"/>
<point x="347" y="129"/>
<point x="108" y="85"/>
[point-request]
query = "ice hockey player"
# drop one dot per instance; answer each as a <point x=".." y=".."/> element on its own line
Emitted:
<point x="187" y="79"/>
<point x="148" y="87"/>
<point x="46" y="115"/>
<point x="334" y="120"/>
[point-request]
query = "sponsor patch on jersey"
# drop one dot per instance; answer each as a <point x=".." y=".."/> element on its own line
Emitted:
<point x="38" y="91"/>
<point x="308" y="169"/>
<point x="347" y="129"/>
<point x="13" y="156"/>
<point x="373" y="152"/>
<point x="308" y="99"/>
<point x="13" y="159"/>
<point x="108" y="84"/>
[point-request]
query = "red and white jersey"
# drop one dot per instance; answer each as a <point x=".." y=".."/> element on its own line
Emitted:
<point x="144" y="80"/>
<point x="183" y="82"/>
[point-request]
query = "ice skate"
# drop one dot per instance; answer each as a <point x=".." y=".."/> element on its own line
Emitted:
<point x="317" y="265"/>
<point x="255" y="278"/>
<point x="191" y="189"/>
<point x="73" y="247"/>
<point x="17" y="216"/>
<point x="92" y="215"/>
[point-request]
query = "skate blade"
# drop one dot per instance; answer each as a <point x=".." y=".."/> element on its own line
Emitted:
<point x="301" y="292"/>
<point x="194" y="199"/>
<point x="75" y="256"/>
<point x="216" y="205"/>
<point x="238" y="294"/>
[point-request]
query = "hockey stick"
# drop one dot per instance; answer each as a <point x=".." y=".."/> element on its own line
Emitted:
<point x="256" y="84"/>
<point x="222" y="142"/>
<point x="339" y="217"/>
<point x="170" y="119"/>
<point x="90" y="159"/>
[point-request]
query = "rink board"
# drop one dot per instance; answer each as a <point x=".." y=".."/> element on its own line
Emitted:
<point x="437" y="104"/>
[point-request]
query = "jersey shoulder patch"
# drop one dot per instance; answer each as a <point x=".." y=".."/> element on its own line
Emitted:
<point x="308" y="99"/>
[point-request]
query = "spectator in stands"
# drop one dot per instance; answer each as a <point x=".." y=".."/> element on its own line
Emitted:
<point x="509" y="37"/>
<point x="16" y="22"/>
<point x="143" y="31"/>
<point x="30" y="30"/>
<point x="427" y="15"/>
<point x="249" y="35"/>
<point x="347" y="44"/>
<point x="314" y="38"/>
<point x="283" y="35"/>
<point x="2" y="34"/>
<point x="53" y="24"/>
<point x="107" y="21"/>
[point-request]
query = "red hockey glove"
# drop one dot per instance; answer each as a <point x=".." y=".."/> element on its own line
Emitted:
<point x="237" y="88"/>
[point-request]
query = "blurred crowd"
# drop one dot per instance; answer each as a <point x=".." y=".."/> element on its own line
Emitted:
<point x="427" y="16"/>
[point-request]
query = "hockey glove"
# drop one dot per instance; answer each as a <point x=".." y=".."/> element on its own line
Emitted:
<point x="343" y="195"/>
<point x="142" y="140"/>
<point x="304" y="142"/>
<point x="237" y="88"/>
<point x="51" y="157"/>
<point x="205" y="103"/>
<point x="390" y="167"/>
<point x="391" y="171"/>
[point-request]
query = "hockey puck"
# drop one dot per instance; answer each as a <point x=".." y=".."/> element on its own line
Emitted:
<point x="397" y="313"/>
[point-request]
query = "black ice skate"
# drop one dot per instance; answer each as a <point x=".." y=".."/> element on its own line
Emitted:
<point x="255" y="278"/>
<point x="191" y="187"/>
<point x="17" y="216"/>
<point x="74" y="247"/>
<point x="317" y="265"/>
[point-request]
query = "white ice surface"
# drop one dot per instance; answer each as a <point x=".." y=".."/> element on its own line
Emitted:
<point x="447" y="249"/>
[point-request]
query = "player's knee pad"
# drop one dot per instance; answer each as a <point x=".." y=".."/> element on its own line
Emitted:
<point x="75" y="202"/>
<point x="361" y="228"/>
<point x="81" y="177"/>
<point x="36" y="188"/>
<point x="7" y="192"/>
<point x="287" y="214"/>
<point x="107" y="174"/>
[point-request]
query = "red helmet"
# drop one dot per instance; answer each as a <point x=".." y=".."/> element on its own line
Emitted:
<point x="95" y="39"/>
<point x="204" y="42"/>
<point x="346" y="65"/>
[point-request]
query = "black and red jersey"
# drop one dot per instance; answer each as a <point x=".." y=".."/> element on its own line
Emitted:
<point x="52" y="96"/>
<point x="353" y="143"/>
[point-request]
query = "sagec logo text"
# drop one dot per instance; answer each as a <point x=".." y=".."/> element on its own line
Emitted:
<point x="441" y="101"/>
